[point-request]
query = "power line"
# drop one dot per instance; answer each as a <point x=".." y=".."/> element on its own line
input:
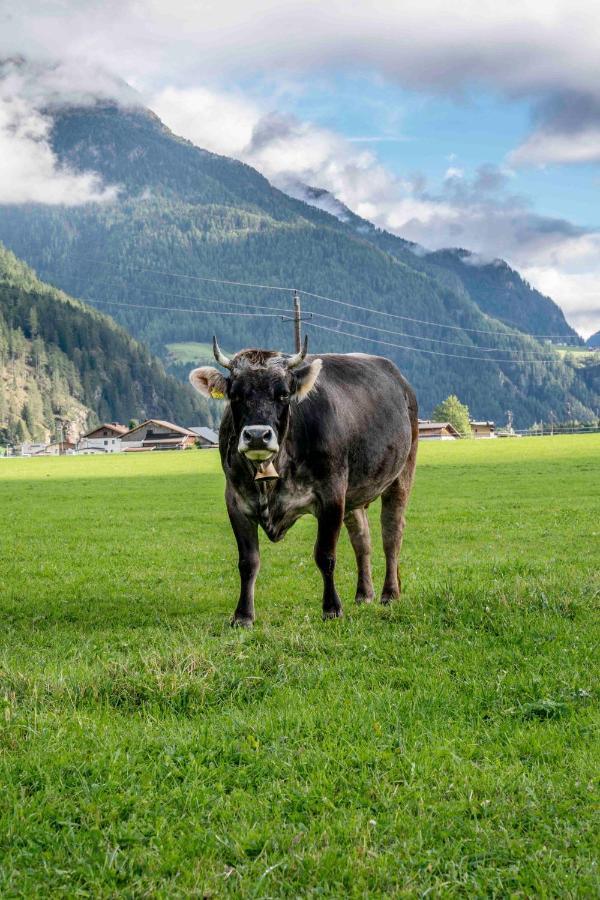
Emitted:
<point x="321" y="315"/>
<point x="381" y="312"/>
<point x="322" y="328"/>
<point x="362" y="337"/>
<point x="168" y="293"/>
<point x="182" y="309"/>
<point x="272" y="287"/>
<point x="419" y="337"/>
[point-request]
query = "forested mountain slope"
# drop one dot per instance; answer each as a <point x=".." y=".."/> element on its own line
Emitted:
<point x="493" y="285"/>
<point x="64" y="366"/>
<point x="188" y="213"/>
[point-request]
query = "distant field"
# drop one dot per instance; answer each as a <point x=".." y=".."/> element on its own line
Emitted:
<point x="191" y="352"/>
<point x="580" y="354"/>
<point x="447" y="746"/>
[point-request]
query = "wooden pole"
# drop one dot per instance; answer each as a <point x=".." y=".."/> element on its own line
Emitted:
<point x="297" y="332"/>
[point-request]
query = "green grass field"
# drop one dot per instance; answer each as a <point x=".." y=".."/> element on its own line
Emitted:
<point x="580" y="355"/>
<point x="447" y="746"/>
<point x="191" y="353"/>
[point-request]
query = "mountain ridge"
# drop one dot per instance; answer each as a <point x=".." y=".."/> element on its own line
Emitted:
<point x="497" y="288"/>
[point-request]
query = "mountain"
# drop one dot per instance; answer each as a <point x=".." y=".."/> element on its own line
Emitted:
<point x="496" y="288"/>
<point x="594" y="340"/>
<point x="185" y="216"/>
<point x="500" y="292"/>
<point x="64" y="366"/>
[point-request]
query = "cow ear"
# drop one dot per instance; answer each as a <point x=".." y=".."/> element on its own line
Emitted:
<point x="209" y="382"/>
<point x="305" y="378"/>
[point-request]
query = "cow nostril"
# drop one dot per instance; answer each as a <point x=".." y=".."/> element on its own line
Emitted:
<point x="266" y="435"/>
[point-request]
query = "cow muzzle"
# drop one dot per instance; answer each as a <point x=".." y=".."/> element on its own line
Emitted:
<point x="258" y="442"/>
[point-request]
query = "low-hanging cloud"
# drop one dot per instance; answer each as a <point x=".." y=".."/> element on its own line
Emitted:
<point x="30" y="172"/>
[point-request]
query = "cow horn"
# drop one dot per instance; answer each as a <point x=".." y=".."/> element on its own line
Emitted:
<point x="296" y="359"/>
<point x="220" y="356"/>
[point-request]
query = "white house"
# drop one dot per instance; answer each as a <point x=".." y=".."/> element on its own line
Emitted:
<point x="104" y="438"/>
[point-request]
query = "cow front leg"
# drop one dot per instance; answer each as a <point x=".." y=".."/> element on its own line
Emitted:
<point x="330" y="523"/>
<point x="246" y="535"/>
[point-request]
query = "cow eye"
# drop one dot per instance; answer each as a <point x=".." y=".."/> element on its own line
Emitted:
<point x="283" y="397"/>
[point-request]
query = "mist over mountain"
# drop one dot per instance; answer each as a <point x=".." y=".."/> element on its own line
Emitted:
<point x="182" y="214"/>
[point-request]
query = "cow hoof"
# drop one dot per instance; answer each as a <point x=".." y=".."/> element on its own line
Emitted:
<point x="386" y="599"/>
<point x="242" y="622"/>
<point x="364" y="598"/>
<point x="332" y="614"/>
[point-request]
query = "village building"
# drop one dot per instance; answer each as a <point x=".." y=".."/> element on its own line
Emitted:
<point x="437" y="431"/>
<point x="105" y="438"/>
<point x="205" y="437"/>
<point x="483" y="429"/>
<point x="32" y="449"/>
<point x="58" y="448"/>
<point x="154" y="434"/>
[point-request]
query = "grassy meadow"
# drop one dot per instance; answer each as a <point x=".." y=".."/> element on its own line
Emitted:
<point x="191" y="353"/>
<point x="446" y="746"/>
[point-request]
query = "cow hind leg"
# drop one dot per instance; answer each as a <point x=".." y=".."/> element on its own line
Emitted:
<point x="393" y="504"/>
<point x="357" y="523"/>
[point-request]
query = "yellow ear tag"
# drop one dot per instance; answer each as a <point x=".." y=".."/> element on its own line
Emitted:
<point x="217" y="395"/>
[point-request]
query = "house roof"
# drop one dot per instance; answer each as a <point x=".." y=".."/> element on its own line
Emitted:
<point x="168" y="425"/>
<point x="482" y="424"/>
<point x="172" y="440"/>
<point x="207" y="433"/>
<point x="438" y="426"/>
<point x="112" y="426"/>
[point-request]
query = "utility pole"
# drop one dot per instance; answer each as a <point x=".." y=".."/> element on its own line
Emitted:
<point x="297" y="320"/>
<point x="570" y="416"/>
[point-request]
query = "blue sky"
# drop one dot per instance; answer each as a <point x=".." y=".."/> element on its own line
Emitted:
<point x="416" y="132"/>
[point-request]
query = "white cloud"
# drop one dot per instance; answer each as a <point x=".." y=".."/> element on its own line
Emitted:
<point x="579" y="292"/>
<point x="545" y="147"/>
<point x="30" y="172"/>
<point x="219" y="121"/>
<point x="538" y="46"/>
<point x="453" y="172"/>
